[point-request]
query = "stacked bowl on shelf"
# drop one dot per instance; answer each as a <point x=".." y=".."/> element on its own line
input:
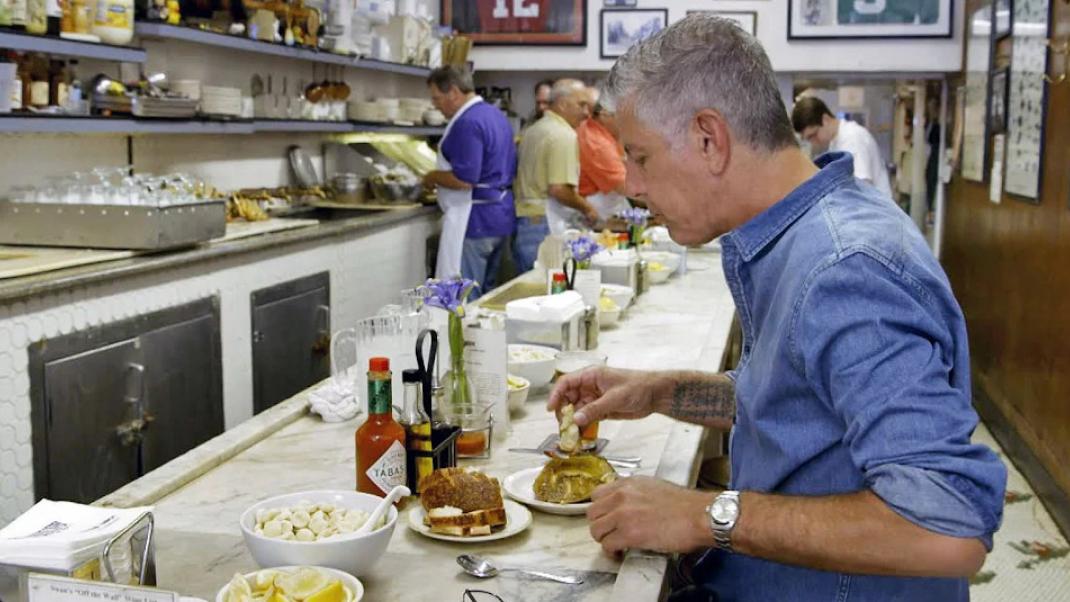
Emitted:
<point x="402" y="111"/>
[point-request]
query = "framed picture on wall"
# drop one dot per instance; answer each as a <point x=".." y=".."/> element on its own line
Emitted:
<point x="518" y="22"/>
<point x="1027" y="98"/>
<point x="747" y="20"/>
<point x="620" y="28"/>
<point x="978" y="59"/>
<point x="837" y="19"/>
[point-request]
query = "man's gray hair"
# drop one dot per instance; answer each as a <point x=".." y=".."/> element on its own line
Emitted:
<point x="449" y="76"/>
<point x="563" y="88"/>
<point x="702" y="62"/>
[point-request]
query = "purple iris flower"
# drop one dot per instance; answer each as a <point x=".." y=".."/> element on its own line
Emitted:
<point x="636" y="216"/>
<point x="584" y="248"/>
<point x="449" y="294"/>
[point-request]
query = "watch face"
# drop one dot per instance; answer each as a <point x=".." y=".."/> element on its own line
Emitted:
<point x="724" y="510"/>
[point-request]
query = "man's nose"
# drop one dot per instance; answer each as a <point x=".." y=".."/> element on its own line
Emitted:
<point x="634" y="187"/>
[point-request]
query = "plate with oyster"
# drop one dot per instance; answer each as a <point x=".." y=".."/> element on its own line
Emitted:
<point x="562" y="486"/>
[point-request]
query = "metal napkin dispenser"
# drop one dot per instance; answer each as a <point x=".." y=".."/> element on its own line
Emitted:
<point x="620" y="267"/>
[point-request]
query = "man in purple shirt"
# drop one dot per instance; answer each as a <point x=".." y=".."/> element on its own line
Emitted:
<point x="475" y="170"/>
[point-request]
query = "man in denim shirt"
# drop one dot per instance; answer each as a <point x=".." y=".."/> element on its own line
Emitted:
<point x="853" y="474"/>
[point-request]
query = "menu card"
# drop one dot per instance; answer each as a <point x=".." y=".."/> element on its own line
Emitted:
<point x="49" y="588"/>
<point x="486" y="359"/>
<point x="588" y="284"/>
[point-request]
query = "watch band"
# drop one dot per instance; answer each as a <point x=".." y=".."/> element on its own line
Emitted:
<point x="722" y="532"/>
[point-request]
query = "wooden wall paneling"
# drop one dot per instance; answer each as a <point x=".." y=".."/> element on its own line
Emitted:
<point x="1009" y="264"/>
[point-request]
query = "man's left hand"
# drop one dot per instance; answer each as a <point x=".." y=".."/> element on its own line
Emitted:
<point x="649" y="514"/>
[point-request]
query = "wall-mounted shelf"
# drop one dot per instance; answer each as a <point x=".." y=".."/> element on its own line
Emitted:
<point x="24" y="42"/>
<point x="130" y="125"/>
<point x="163" y="31"/>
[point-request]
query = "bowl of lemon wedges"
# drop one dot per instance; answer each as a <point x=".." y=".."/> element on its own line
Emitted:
<point x="293" y="584"/>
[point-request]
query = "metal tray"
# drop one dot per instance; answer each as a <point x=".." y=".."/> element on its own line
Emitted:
<point x="111" y="226"/>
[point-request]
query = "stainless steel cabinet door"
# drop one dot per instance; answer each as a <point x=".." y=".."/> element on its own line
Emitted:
<point x="83" y="406"/>
<point x="291" y="339"/>
<point x="183" y="388"/>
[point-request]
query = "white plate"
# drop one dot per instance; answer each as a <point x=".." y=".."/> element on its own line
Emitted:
<point x="521" y="487"/>
<point x="517" y="518"/>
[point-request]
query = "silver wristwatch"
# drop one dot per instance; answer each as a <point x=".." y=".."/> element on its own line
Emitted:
<point x="723" y="513"/>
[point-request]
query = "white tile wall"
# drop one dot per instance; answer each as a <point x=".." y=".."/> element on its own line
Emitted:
<point x="367" y="271"/>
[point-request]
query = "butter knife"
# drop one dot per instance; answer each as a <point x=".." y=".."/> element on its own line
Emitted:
<point x="623" y="461"/>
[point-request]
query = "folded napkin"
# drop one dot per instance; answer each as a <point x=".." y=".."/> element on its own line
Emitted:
<point x="334" y="400"/>
<point x="548" y="308"/>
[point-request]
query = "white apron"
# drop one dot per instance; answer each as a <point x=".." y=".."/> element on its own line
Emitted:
<point x="560" y="217"/>
<point x="456" y="206"/>
<point x="608" y="204"/>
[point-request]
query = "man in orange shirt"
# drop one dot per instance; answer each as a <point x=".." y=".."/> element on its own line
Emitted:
<point x="602" y="170"/>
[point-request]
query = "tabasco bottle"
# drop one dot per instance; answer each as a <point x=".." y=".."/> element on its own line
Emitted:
<point x="380" y="441"/>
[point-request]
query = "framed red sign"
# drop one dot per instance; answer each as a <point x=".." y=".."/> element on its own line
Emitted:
<point x="519" y="22"/>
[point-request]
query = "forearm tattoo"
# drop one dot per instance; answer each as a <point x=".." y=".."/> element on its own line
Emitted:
<point x="705" y="401"/>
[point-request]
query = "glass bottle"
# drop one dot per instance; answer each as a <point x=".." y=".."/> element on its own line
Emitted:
<point x="559" y="284"/>
<point x="18" y="14"/>
<point x="39" y="82"/>
<point x="5" y="13"/>
<point x="417" y="430"/>
<point x="380" y="441"/>
<point x="36" y="16"/>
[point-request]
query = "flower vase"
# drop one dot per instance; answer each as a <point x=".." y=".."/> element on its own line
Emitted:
<point x="458" y="389"/>
<point x="635" y="234"/>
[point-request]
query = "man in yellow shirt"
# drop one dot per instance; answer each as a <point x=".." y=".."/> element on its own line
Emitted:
<point x="548" y="173"/>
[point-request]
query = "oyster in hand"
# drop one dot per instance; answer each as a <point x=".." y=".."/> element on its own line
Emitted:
<point x="568" y="432"/>
<point x="572" y="479"/>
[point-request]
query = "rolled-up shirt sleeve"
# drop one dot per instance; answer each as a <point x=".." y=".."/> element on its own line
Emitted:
<point x="873" y="345"/>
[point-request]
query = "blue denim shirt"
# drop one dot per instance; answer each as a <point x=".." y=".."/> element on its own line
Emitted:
<point x="855" y="375"/>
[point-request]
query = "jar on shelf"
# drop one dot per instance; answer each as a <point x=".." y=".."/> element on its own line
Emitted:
<point x="114" y="21"/>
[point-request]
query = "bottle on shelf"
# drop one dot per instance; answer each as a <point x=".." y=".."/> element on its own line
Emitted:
<point x="380" y="441"/>
<point x="75" y="106"/>
<point x="37" y="17"/>
<point x="39" y="82"/>
<point x="417" y="430"/>
<point x="5" y="13"/>
<point x="53" y="17"/>
<point x="113" y="21"/>
<point x="18" y="14"/>
<point x="58" y="84"/>
<point x="66" y="21"/>
<point x="22" y="102"/>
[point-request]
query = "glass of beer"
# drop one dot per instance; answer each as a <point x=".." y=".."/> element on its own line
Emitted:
<point x="567" y="362"/>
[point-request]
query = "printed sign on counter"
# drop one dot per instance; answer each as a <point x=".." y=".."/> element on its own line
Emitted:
<point x="486" y="358"/>
<point x="588" y="284"/>
<point x="50" y="588"/>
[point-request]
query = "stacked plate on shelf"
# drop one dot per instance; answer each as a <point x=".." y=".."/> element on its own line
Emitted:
<point x="216" y="100"/>
<point x="366" y="110"/>
<point x="411" y="110"/>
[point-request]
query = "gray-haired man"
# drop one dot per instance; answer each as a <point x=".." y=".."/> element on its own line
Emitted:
<point x="853" y="474"/>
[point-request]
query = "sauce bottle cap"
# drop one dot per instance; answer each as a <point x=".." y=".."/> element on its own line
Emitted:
<point x="379" y="364"/>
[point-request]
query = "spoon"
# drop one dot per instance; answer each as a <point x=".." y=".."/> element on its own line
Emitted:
<point x="397" y="492"/>
<point x="477" y="566"/>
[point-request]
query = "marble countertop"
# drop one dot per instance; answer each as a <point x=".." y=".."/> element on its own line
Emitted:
<point x="15" y="289"/>
<point x="199" y="496"/>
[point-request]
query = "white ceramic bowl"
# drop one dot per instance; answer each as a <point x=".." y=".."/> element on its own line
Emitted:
<point x="658" y="276"/>
<point x="608" y="318"/>
<point x="354" y="554"/>
<point x="539" y="371"/>
<point x="620" y="294"/>
<point x="517" y="397"/>
<point x="348" y="580"/>
<point x="671" y="261"/>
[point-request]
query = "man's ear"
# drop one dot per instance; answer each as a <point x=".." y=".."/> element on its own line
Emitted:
<point x="712" y="139"/>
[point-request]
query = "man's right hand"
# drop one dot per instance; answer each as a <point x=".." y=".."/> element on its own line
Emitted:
<point x="591" y="214"/>
<point x="607" y="393"/>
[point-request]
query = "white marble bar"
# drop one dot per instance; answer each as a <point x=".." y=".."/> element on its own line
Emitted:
<point x="682" y="324"/>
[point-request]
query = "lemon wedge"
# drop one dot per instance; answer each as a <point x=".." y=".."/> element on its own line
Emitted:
<point x="264" y="580"/>
<point x="334" y="592"/>
<point x="302" y="584"/>
<point x="238" y="590"/>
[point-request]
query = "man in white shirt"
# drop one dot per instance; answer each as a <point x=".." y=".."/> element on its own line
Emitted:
<point x="817" y="125"/>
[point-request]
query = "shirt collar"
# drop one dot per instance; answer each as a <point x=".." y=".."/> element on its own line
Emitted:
<point x="550" y="113"/>
<point x="468" y="105"/>
<point x="754" y="235"/>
